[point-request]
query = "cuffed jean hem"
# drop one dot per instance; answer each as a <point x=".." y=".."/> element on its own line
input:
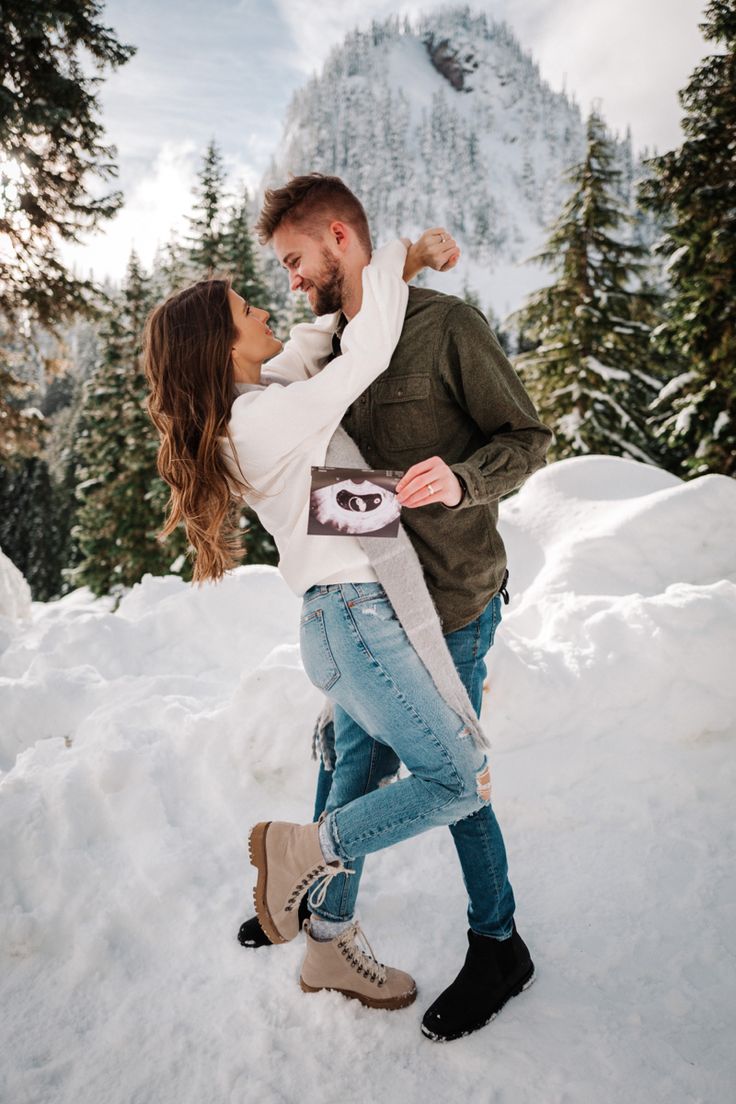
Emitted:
<point x="493" y="935"/>
<point x="323" y="914"/>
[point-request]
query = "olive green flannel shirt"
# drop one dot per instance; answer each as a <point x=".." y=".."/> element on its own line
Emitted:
<point x="450" y="391"/>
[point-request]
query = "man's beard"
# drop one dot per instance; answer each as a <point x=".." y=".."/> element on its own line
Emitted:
<point x="330" y="287"/>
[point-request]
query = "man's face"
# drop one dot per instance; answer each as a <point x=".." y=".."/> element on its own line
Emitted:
<point x="313" y="267"/>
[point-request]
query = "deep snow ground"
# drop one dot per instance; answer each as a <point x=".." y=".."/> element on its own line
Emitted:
<point x="139" y="746"/>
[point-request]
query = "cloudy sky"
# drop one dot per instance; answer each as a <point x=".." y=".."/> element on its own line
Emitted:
<point x="228" y="68"/>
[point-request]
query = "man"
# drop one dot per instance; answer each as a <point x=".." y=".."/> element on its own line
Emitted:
<point x="451" y="412"/>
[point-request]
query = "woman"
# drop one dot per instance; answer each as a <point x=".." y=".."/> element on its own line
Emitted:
<point x="200" y="346"/>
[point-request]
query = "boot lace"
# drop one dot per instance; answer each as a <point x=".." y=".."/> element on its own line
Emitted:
<point x="363" y="961"/>
<point x="326" y="873"/>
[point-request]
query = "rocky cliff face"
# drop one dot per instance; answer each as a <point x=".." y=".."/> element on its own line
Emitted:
<point x="450" y="64"/>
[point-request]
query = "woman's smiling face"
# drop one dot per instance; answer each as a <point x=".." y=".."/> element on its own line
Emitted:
<point x="254" y="343"/>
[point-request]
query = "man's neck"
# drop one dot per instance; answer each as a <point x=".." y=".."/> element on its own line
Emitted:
<point x="353" y="293"/>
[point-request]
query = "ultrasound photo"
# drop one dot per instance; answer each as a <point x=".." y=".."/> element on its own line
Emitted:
<point x="354" y="502"/>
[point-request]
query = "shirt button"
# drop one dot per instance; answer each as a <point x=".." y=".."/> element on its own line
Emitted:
<point x="364" y="398"/>
<point x="399" y="392"/>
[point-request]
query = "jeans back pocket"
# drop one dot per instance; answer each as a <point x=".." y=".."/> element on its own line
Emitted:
<point x="319" y="662"/>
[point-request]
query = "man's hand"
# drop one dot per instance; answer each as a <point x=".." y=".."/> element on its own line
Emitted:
<point x="435" y="249"/>
<point x="428" y="482"/>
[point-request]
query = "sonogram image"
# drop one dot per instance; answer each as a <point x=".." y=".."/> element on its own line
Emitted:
<point x="354" y="502"/>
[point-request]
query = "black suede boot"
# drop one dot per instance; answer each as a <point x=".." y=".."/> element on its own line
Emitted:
<point x="251" y="933"/>
<point x="494" y="970"/>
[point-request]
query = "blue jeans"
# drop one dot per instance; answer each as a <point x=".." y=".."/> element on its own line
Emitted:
<point x="386" y="710"/>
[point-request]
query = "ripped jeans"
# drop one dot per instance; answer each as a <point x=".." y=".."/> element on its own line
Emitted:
<point x="387" y="709"/>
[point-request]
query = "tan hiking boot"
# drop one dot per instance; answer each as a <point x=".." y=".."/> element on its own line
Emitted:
<point x="342" y="965"/>
<point x="289" y="860"/>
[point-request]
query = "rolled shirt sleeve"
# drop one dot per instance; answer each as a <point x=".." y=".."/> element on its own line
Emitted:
<point x="482" y="381"/>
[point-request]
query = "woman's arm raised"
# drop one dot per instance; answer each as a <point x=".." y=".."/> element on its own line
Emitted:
<point x="310" y="343"/>
<point x="267" y="425"/>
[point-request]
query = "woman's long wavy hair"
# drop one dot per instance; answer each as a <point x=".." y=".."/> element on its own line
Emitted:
<point x="187" y="347"/>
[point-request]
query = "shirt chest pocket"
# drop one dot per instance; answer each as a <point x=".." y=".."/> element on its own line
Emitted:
<point x="404" y="417"/>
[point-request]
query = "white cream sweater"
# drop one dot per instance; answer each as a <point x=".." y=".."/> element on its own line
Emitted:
<point x="282" y="427"/>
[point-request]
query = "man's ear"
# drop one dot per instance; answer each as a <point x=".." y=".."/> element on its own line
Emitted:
<point x="341" y="235"/>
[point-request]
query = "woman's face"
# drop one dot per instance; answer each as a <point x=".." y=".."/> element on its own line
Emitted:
<point x="254" y="342"/>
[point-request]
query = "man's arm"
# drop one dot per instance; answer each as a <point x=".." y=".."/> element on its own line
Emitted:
<point x="479" y="376"/>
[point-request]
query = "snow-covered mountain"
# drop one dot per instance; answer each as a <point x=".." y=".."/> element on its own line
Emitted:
<point x="444" y="121"/>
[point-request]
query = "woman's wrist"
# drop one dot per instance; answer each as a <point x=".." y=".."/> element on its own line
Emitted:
<point x="434" y="248"/>
<point x="413" y="263"/>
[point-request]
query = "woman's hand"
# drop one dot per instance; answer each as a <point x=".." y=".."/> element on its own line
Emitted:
<point x="435" y="249"/>
<point x="428" y="482"/>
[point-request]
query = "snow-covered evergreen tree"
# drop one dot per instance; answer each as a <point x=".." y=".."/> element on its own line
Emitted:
<point x="22" y="428"/>
<point x="171" y="269"/>
<point x="205" y="239"/>
<point x="33" y="524"/>
<point x="591" y="373"/>
<point x="694" y="189"/>
<point x="118" y="489"/>
<point x="238" y="256"/>
<point x="37" y="502"/>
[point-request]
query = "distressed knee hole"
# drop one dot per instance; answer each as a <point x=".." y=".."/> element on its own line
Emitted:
<point x="483" y="783"/>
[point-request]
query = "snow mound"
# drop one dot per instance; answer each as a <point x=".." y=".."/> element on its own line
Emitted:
<point x="15" y="593"/>
<point x="611" y="526"/>
<point x="140" y="745"/>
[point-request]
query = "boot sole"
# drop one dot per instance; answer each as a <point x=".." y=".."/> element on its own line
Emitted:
<point x="389" y="1004"/>
<point x="524" y="984"/>
<point x="257" y="853"/>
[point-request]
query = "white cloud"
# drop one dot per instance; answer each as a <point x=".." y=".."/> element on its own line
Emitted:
<point x="156" y="207"/>
<point x="316" y="28"/>
<point x="631" y="56"/>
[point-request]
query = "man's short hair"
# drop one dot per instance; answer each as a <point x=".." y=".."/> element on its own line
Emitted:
<point x="311" y="203"/>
